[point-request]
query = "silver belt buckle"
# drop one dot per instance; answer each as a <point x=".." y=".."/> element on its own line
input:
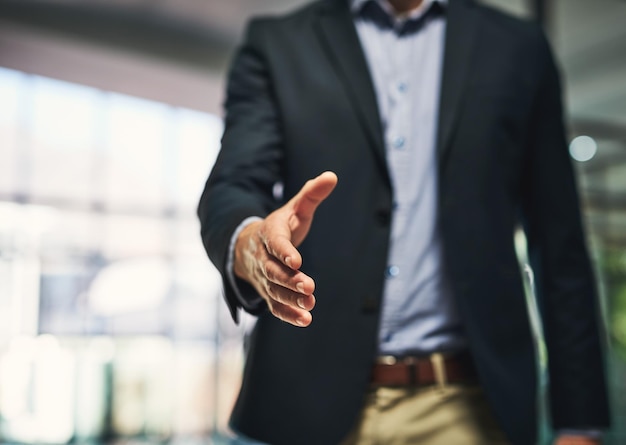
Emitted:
<point x="386" y="360"/>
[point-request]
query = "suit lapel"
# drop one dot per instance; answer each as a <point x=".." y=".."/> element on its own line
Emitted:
<point x="461" y="30"/>
<point x="341" y="42"/>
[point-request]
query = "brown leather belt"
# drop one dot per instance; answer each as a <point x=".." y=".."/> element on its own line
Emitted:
<point x="421" y="371"/>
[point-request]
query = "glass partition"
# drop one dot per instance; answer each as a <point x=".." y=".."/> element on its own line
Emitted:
<point x="111" y="320"/>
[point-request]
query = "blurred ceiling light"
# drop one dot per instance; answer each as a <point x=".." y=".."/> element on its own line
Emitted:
<point x="583" y="148"/>
<point x="133" y="285"/>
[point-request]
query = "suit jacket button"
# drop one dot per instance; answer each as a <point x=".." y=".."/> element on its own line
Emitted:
<point x="370" y="304"/>
<point x="383" y="217"/>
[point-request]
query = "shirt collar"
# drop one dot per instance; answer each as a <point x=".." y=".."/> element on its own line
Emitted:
<point x="357" y="5"/>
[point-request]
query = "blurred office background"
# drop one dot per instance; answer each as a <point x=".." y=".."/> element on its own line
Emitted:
<point x="111" y="321"/>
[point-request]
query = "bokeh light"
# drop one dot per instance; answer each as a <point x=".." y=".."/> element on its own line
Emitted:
<point x="583" y="148"/>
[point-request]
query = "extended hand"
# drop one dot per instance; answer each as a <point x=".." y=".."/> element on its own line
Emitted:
<point x="266" y="254"/>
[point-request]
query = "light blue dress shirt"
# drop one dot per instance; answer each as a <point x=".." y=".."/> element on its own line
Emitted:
<point x="405" y="58"/>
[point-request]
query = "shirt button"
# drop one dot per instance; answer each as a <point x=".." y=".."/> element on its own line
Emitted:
<point x="402" y="87"/>
<point x="398" y="142"/>
<point x="392" y="271"/>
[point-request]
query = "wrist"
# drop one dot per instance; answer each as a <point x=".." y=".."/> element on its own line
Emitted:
<point x="244" y="245"/>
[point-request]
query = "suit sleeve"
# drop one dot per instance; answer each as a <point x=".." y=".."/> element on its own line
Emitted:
<point x="559" y="257"/>
<point x="249" y="163"/>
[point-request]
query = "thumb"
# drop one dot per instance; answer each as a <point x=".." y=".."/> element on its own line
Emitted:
<point x="311" y="196"/>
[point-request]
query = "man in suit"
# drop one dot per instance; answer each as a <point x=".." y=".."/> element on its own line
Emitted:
<point x="438" y="125"/>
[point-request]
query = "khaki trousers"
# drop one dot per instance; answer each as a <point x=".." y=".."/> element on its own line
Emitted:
<point x="452" y="414"/>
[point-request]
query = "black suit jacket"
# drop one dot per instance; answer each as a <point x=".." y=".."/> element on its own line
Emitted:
<point x="300" y="101"/>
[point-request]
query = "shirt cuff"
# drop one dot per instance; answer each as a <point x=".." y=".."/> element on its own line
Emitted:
<point x="247" y="301"/>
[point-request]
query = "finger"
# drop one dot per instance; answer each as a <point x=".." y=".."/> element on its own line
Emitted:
<point x="296" y="317"/>
<point x="312" y="194"/>
<point x="290" y="298"/>
<point x="280" y="246"/>
<point x="279" y="274"/>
